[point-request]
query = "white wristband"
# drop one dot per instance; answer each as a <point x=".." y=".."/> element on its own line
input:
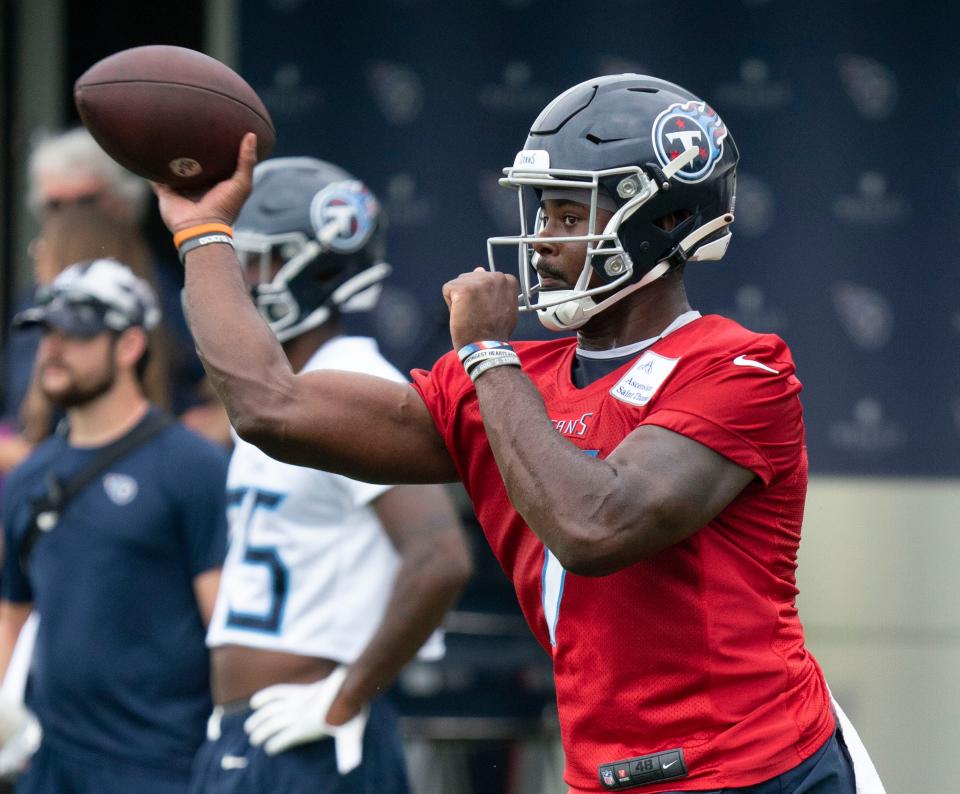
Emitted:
<point x="487" y="355"/>
<point x="509" y="361"/>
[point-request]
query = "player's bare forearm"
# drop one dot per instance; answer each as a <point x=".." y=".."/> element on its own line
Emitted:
<point x="434" y="566"/>
<point x="246" y="365"/>
<point x="598" y="516"/>
<point x="560" y="492"/>
<point x="419" y="601"/>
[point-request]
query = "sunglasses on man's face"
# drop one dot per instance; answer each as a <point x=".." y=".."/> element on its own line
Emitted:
<point x="84" y="199"/>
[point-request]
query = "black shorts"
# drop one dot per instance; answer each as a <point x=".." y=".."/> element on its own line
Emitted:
<point x="230" y="765"/>
<point x="827" y="771"/>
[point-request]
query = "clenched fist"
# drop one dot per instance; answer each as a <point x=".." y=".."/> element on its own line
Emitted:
<point x="483" y="306"/>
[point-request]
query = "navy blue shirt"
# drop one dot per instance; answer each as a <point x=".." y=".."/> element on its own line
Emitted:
<point x="120" y="666"/>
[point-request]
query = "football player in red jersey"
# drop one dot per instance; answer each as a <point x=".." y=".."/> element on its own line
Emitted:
<point x="658" y="569"/>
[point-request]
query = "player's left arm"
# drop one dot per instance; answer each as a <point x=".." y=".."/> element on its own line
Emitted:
<point x="205" y="587"/>
<point x="435" y="563"/>
<point x="596" y="515"/>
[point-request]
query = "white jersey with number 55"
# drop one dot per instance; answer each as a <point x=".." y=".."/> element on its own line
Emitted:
<point x="310" y="567"/>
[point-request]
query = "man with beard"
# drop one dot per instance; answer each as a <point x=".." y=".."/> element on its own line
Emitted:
<point x="123" y="570"/>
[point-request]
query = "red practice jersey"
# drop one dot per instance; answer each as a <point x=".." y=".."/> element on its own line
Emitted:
<point x="698" y="648"/>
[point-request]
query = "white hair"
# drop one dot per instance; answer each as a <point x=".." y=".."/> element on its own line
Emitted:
<point x="75" y="152"/>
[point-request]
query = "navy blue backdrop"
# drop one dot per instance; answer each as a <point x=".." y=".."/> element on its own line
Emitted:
<point x="845" y="115"/>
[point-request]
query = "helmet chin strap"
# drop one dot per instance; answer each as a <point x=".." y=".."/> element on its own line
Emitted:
<point x="358" y="293"/>
<point x="565" y="316"/>
<point x="574" y="313"/>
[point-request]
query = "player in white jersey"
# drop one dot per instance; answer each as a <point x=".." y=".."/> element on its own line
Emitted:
<point x="330" y="585"/>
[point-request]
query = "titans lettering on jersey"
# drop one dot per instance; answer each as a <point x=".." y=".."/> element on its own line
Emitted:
<point x="574" y="426"/>
<point x="699" y="647"/>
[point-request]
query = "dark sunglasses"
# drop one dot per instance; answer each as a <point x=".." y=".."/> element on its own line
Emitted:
<point x="85" y="199"/>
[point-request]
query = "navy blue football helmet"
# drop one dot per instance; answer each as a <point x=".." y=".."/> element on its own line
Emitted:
<point x="324" y="230"/>
<point x="643" y="149"/>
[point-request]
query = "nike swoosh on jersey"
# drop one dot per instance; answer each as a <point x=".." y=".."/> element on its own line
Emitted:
<point x="743" y="361"/>
<point x="234" y="762"/>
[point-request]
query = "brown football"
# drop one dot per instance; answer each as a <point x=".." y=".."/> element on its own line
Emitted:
<point x="171" y="114"/>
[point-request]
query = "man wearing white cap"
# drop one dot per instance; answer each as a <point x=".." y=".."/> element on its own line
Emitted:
<point x="115" y="534"/>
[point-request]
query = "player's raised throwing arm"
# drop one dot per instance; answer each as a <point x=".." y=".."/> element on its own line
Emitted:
<point x="358" y="425"/>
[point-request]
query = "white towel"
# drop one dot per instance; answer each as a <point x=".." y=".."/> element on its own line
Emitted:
<point x="868" y="780"/>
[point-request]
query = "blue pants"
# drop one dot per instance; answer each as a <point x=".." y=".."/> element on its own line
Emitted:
<point x="230" y="765"/>
<point x="54" y="770"/>
<point x="827" y="771"/>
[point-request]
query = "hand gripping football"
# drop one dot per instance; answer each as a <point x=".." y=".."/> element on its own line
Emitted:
<point x="171" y="114"/>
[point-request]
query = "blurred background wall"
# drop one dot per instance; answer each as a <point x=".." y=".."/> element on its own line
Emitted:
<point x="846" y="116"/>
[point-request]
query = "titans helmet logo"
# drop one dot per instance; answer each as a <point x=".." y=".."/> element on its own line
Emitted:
<point x="690" y="125"/>
<point x="347" y="208"/>
<point x="121" y="488"/>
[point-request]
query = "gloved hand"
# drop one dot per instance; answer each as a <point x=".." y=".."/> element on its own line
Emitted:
<point x="286" y="715"/>
<point x="20" y="736"/>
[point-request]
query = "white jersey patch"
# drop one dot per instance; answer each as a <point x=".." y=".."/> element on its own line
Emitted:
<point x="537" y="160"/>
<point x="644" y="378"/>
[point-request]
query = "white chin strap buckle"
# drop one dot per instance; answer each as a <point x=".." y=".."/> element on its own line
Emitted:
<point x="566" y="316"/>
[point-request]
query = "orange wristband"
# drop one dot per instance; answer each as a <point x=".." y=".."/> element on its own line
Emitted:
<point x="195" y="231"/>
